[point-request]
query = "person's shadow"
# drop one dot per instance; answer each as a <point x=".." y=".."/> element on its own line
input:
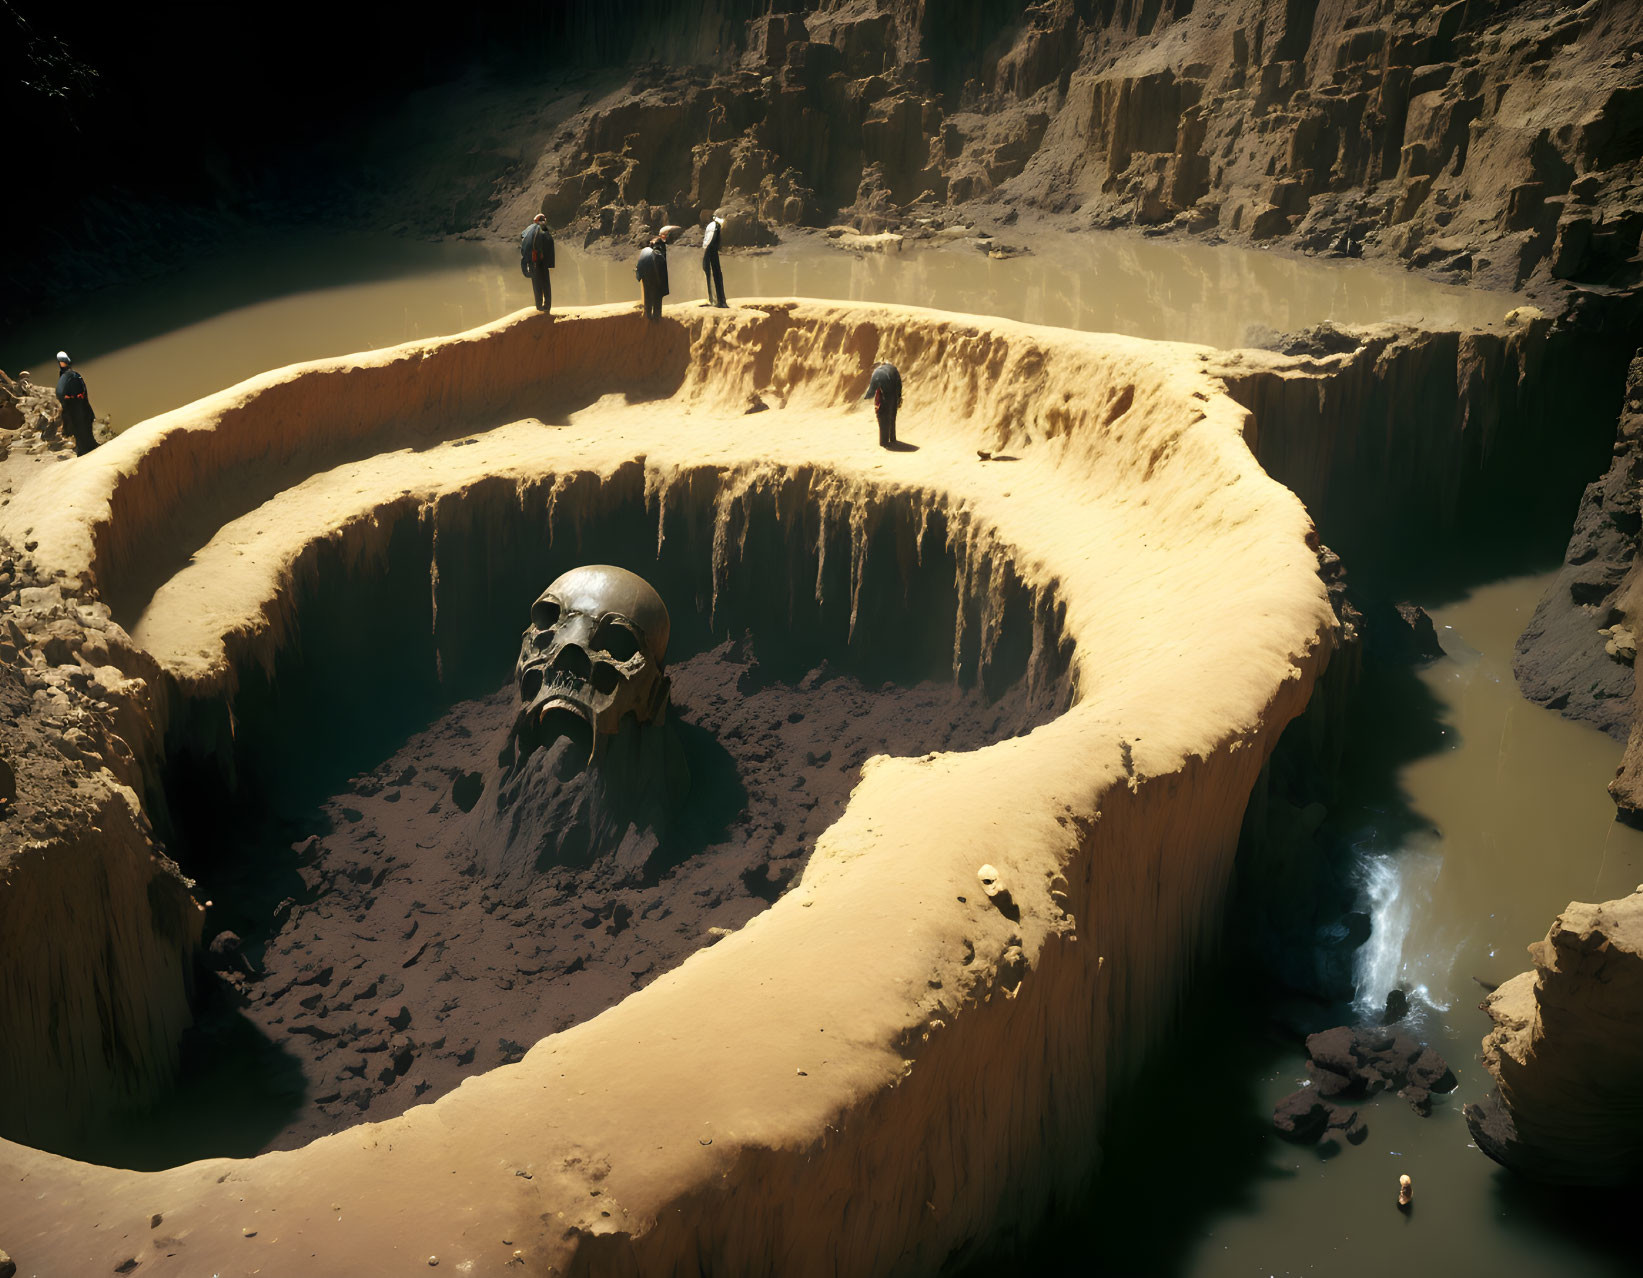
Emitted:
<point x="900" y="446"/>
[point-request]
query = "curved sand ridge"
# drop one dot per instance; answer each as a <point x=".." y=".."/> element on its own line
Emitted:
<point x="885" y="1064"/>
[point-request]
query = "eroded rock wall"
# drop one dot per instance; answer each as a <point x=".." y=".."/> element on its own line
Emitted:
<point x="1567" y="1051"/>
<point x="97" y="928"/>
<point x="1498" y="141"/>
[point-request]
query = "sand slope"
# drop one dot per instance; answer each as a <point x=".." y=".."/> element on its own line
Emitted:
<point x="887" y="1062"/>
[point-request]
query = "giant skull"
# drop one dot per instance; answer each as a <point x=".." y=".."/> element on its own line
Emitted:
<point x="593" y="653"/>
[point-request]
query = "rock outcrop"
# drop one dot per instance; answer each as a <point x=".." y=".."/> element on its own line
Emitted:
<point x="1577" y="654"/>
<point x="1567" y="1051"/>
<point x="1496" y="142"/>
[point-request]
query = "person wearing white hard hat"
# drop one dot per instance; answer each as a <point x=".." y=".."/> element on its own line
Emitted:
<point x="77" y="414"/>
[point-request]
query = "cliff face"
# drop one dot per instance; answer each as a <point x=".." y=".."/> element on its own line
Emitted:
<point x="1567" y="1050"/>
<point x="1577" y="654"/>
<point x="1493" y="140"/>
<point x="1497" y="141"/>
<point x="97" y="928"/>
<point x="1571" y="657"/>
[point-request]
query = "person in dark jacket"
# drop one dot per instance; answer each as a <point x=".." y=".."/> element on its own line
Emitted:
<point x="651" y="272"/>
<point x="884" y="389"/>
<point x="536" y="260"/>
<point x="711" y="235"/>
<point x="77" y="414"/>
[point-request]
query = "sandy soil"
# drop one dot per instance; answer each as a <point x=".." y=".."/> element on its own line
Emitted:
<point x="981" y="945"/>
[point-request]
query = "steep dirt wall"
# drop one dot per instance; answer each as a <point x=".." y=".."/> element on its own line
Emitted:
<point x="980" y="936"/>
<point x="1401" y="440"/>
<point x="100" y="934"/>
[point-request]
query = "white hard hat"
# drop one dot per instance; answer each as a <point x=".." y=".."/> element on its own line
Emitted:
<point x="62" y="358"/>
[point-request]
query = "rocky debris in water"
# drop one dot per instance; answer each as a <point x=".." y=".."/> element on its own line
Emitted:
<point x="8" y="1266"/>
<point x="1417" y="635"/>
<point x="1397" y="1006"/>
<point x="1375" y="1059"/>
<point x="1567" y="1051"/>
<point x="1357" y="1062"/>
<point x="1402" y="633"/>
<point x="1305" y="1117"/>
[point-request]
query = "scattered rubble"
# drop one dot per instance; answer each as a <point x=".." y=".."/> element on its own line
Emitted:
<point x="1355" y="1063"/>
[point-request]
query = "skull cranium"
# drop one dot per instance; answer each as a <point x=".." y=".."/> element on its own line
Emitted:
<point x="593" y="654"/>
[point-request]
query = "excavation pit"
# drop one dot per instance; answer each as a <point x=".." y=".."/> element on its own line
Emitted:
<point x="380" y="929"/>
<point x="981" y="944"/>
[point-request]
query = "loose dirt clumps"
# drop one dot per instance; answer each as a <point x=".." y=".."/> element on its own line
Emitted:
<point x="401" y="967"/>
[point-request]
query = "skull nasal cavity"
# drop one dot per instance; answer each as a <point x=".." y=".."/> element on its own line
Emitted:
<point x="572" y="660"/>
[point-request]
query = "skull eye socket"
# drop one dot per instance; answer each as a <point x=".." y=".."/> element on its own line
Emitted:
<point x="616" y="641"/>
<point x="605" y="677"/>
<point x="544" y="614"/>
<point x="530" y="684"/>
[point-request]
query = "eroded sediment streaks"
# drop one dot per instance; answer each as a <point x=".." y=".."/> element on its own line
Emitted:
<point x="886" y="1022"/>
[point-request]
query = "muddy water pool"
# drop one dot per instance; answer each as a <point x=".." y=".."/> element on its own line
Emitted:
<point x="1475" y="815"/>
<point x="148" y="348"/>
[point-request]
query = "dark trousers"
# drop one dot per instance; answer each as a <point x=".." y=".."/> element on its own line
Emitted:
<point x="542" y="286"/>
<point x="77" y="418"/>
<point x="887" y="424"/>
<point x="715" y="280"/>
<point x="653" y="299"/>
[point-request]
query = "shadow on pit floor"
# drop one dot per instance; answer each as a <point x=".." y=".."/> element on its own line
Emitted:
<point x="237" y="1091"/>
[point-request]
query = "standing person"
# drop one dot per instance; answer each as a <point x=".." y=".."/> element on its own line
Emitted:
<point x="651" y="274"/>
<point x="712" y="234"/>
<point x="660" y="245"/>
<point x="884" y="386"/>
<point x="77" y="414"/>
<point x="536" y="260"/>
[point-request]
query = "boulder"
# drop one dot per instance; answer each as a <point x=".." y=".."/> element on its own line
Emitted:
<point x="1301" y="1116"/>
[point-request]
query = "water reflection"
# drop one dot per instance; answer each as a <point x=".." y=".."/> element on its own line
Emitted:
<point x="145" y="349"/>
